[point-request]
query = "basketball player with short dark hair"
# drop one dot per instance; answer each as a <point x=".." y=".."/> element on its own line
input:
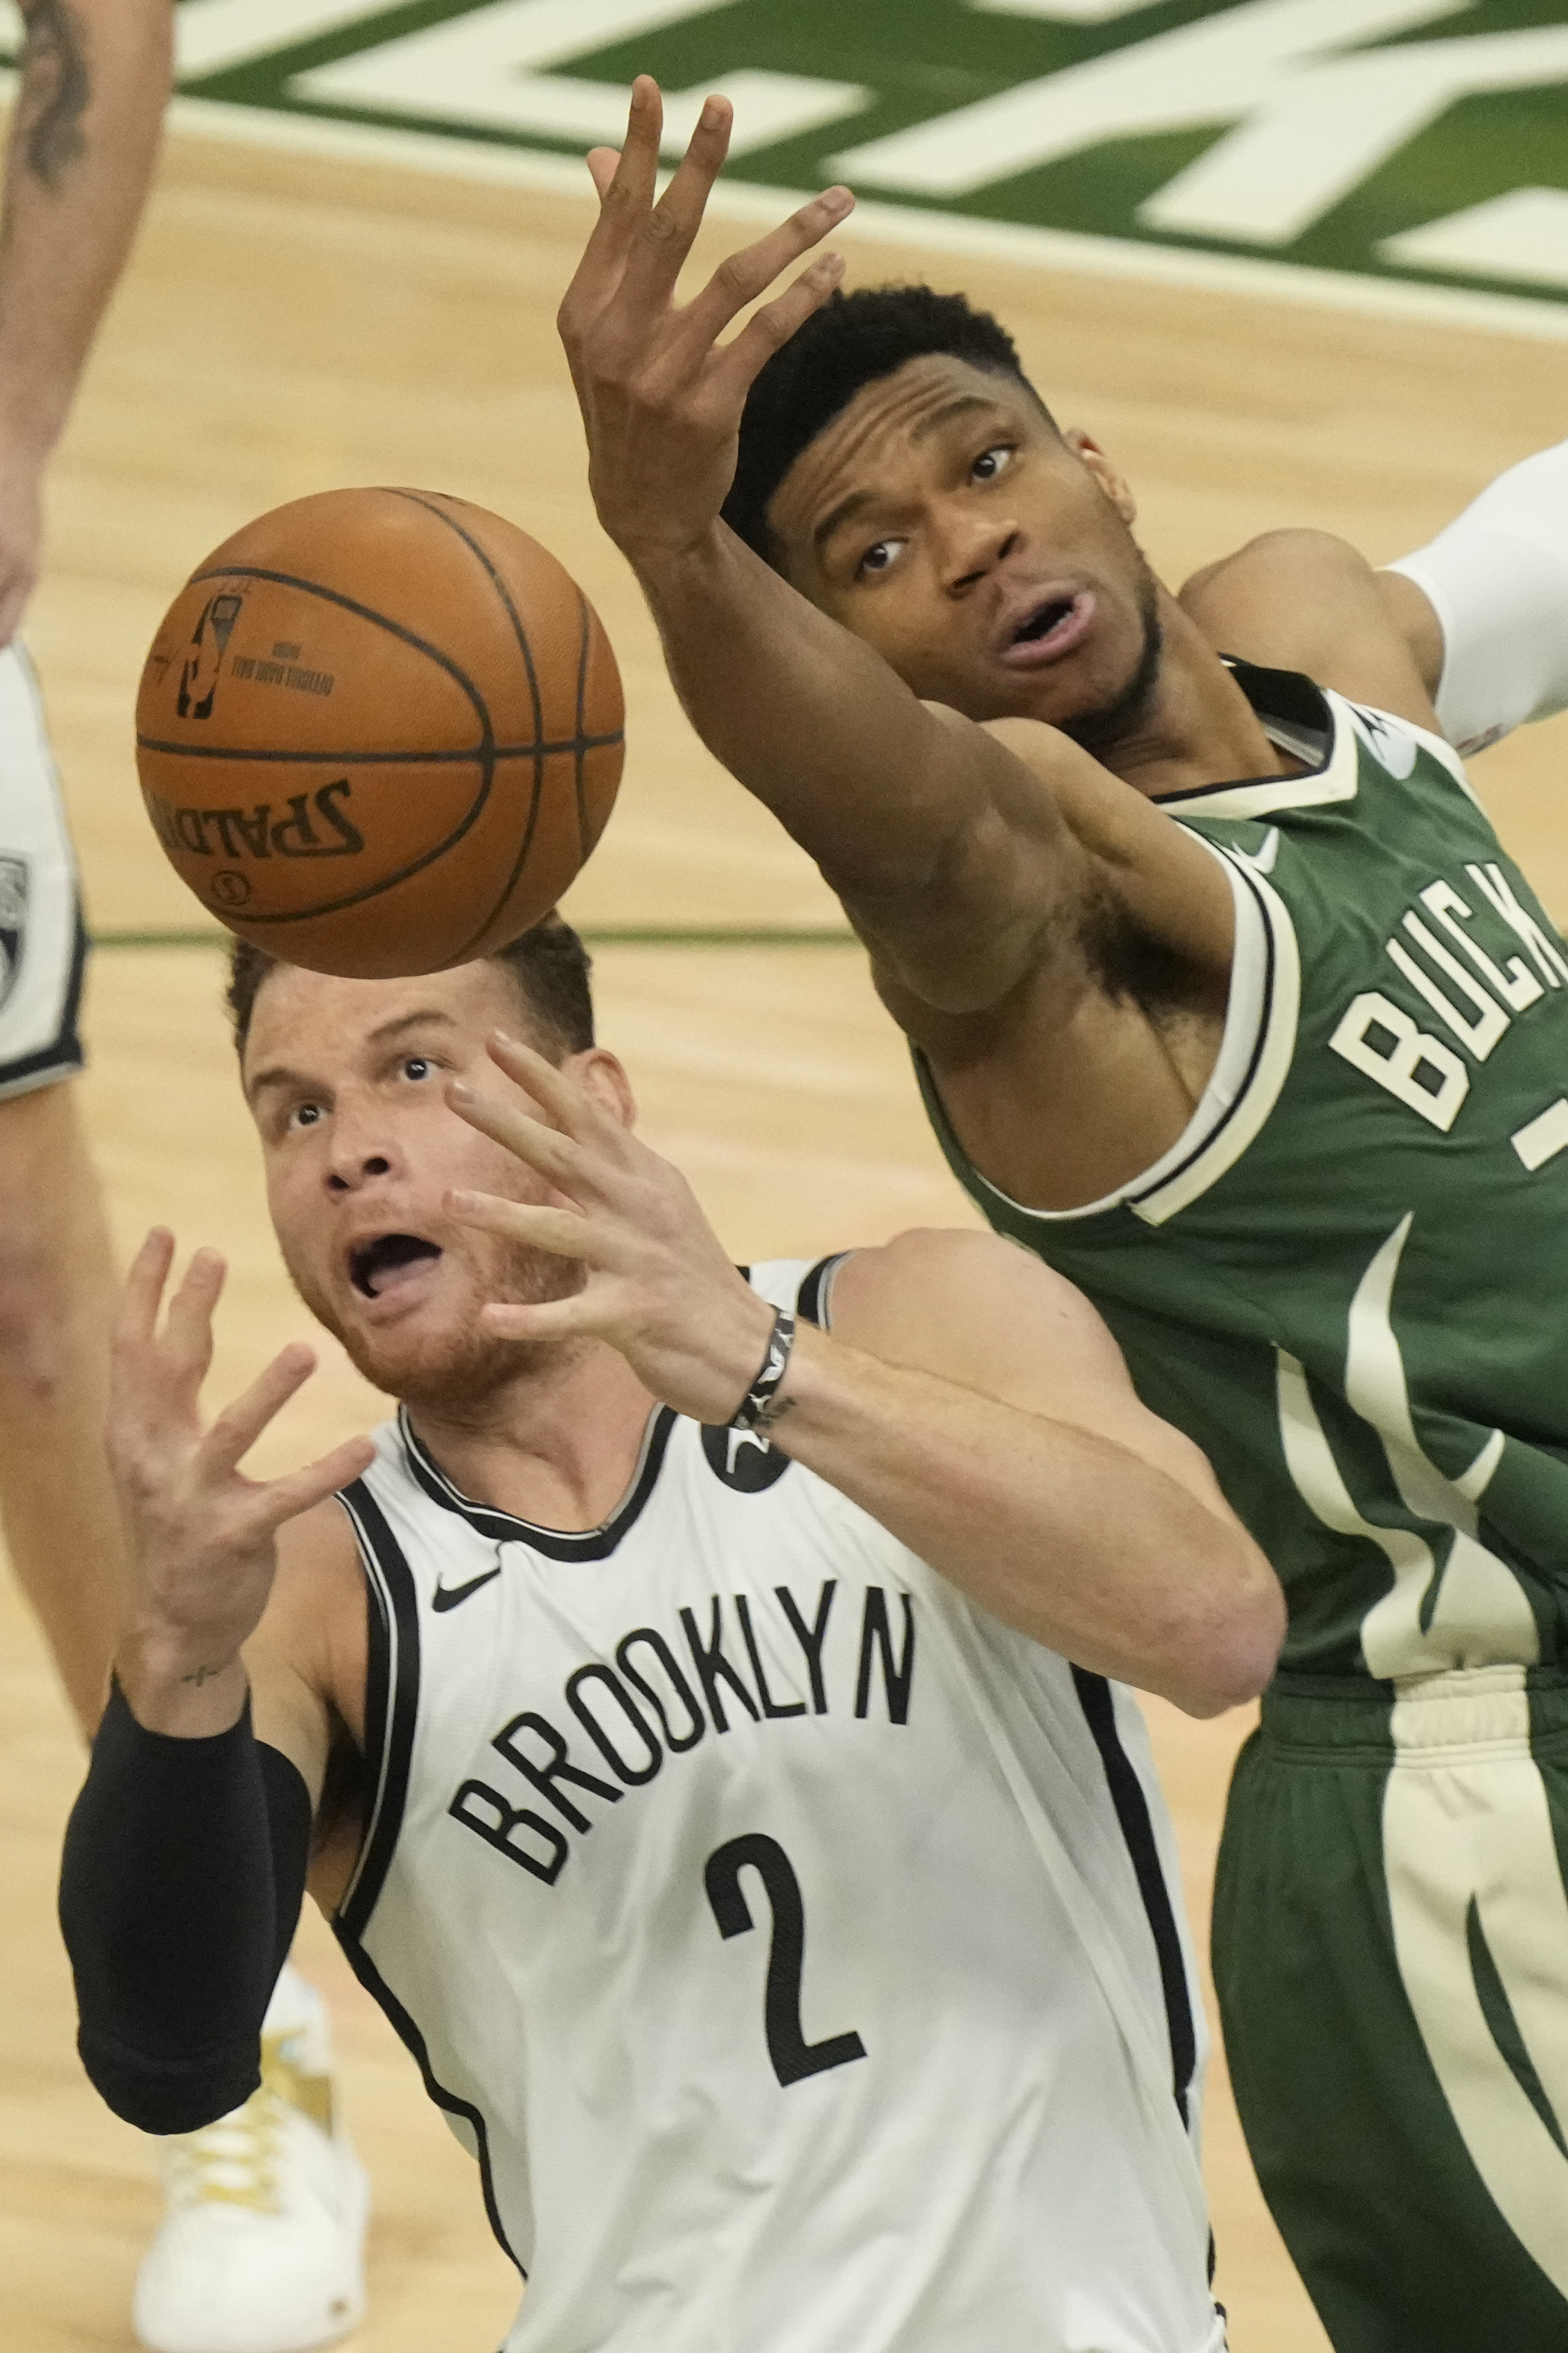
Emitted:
<point x="1226" y="1002"/>
<point x="673" y="1712"/>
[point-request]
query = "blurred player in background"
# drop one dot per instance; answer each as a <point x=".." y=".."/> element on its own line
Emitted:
<point x="1226" y="1001"/>
<point x="259" y="2252"/>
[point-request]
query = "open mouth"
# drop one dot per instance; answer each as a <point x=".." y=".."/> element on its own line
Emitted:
<point x="1049" y="629"/>
<point x="379" y="1266"/>
<point x="1040" y="623"/>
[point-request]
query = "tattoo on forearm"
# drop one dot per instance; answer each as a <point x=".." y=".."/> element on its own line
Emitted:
<point x="57" y="91"/>
<point x="772" y="1413"/>
<point x="200" y="1676"/>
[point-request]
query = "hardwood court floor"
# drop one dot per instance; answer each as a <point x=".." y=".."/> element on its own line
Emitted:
<point x="292" y="325"/>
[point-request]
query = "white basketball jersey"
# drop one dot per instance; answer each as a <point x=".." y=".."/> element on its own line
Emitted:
<point x="790" y="1941"/>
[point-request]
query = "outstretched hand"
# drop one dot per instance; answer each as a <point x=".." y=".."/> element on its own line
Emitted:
<point x="657" y="1284"/>
<point x="661" y="397"/>
<point x="202" y="1536"/>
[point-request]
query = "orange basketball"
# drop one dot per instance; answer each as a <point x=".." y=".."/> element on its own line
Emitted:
<point x="379" y="732"/>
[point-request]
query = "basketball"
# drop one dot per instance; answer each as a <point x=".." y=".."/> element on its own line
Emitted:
<point x="379" y="732"/>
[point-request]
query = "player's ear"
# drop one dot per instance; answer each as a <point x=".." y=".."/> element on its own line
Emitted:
<point x="604" y="1078"/>
<point x="1117" y="487"/>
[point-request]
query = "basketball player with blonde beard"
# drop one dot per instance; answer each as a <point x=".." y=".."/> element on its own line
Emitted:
<point x="677" y="1603"/>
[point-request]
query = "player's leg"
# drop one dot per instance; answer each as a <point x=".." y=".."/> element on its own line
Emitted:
<point x="57" y="1274"/>
<point x="57" y="1297"/>
<point x="1390" y="1952"/>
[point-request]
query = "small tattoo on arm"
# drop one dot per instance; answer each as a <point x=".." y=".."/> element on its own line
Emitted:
<point x="56" y="89"/>
<point x="772" y="1413"/>
<point x="200" y="1676"/>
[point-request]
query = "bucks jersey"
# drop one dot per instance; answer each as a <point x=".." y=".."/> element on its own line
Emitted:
<point x="789" y="1940"/>
<point x="1346" y="1280"/>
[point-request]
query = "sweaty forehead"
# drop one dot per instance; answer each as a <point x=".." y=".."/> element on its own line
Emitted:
<point x="875" y="437"/>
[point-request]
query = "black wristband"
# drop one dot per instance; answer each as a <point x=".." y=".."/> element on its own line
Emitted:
<point x="754" y="1410"/>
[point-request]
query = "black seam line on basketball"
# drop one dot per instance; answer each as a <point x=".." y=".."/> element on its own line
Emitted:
<point x="503" y="593"/>
<point x="367" y="613"/>
<point x="477" y="753"/>
<point x="582" y="644"/>
<point x="537" y="795"/>
<point x="486" y="758"/>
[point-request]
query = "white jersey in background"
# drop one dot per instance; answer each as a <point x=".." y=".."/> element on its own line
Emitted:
<point x="790" y="1940"/>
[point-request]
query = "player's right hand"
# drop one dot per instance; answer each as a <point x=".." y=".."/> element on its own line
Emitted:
<point x="201" y="1535"/>
<point x="661" y="397"/>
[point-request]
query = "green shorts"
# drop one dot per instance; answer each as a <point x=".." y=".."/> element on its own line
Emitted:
<point x="1390" y="1955"/>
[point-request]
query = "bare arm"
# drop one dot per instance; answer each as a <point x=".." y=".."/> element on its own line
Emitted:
<point x="970" y="1401"/>
<point x="977" y="1406"/>
<point x="918" y="820"/>
<point x="94" y="78"/>
<point x="947" y="843"/>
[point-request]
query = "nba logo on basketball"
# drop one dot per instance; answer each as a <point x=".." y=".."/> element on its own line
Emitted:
<point x="209" y="643"/>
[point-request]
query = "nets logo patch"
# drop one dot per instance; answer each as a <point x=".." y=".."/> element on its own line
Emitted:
<point x="743" y="1460"/>
<point x="12" y="921"/>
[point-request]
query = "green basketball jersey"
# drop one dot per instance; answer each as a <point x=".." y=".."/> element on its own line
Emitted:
<point x="1349" y="1280"/>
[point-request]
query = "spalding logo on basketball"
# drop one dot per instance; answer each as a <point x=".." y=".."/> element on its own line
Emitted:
<point x="379" y="732"/>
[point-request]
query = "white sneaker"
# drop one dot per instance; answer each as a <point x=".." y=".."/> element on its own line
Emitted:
<point x="261" y="2245"/>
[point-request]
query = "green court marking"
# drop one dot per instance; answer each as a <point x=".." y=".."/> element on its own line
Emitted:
<point x="598" y="935"/>
<point x="1421" y="141"/>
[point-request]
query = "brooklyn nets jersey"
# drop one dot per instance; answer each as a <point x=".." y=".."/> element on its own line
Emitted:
<point x="790" y="1941"/>
<point x="1346" y="1281"/>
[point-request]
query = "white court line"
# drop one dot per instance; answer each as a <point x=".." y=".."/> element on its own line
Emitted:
<point x="1541" y="1139"/>
<point x="1041" y="248"/>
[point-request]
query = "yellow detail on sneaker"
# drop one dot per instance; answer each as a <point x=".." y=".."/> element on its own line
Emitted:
<point x="233" y="2162"/>
<point x="280" y="2071"/>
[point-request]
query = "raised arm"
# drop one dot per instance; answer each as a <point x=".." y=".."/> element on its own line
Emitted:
<point x="93" y="83"/>
<point x="187" y="1851"/>
<point x="968" y="1399"/>
<point x="950" y="850"/>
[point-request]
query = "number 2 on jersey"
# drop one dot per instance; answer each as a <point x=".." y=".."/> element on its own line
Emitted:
<point x="792" y="2056"/>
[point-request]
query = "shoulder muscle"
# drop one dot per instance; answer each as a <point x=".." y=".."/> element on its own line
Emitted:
<point x="1307" y="601"/>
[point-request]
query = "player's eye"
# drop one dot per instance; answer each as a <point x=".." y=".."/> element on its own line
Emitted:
<point x="877" y="558"/>
<point x="992" y="462"/>
<point x="304" y="1114"/>
<point x="416" y="1066"/>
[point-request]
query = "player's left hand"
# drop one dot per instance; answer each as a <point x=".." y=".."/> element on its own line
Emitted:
<point x="658" y="1285"/>
<point x="661" y="397"/>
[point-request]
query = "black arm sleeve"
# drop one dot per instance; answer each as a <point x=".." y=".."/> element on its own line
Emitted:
<point x="184" y="1875"/>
